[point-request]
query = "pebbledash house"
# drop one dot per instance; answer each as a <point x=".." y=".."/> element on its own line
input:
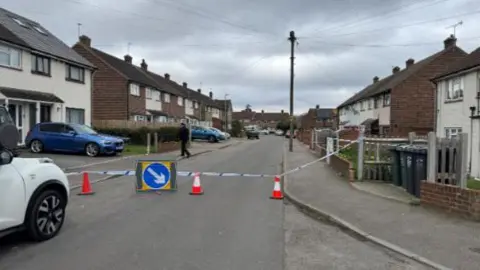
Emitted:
<point x="41" y="78"/>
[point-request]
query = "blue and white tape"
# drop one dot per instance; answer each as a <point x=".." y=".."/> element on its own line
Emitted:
<point x="179" y="173"/>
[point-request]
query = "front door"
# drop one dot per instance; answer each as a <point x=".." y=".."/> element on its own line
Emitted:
<point x="16" y="112"/>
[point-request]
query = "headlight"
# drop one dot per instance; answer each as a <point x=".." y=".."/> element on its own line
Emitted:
<point x="106" y="142"/>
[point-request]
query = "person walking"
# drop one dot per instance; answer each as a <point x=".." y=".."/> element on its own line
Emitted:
<point x="184" y="136"/>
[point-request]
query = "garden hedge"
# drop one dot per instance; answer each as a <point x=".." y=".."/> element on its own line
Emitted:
<point x="139" y="135"/>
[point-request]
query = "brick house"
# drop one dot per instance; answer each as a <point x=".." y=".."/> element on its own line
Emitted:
<point x="123" y="91"/>
<point x="262" y="119"/>
<point x="403" y="101"/>
<point x="319" y="118"/>
<point x="226" y="112"/>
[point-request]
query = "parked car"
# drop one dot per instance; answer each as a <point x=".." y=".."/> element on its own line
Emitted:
<point x="265" y="132"/>
<point x="223" y="135"/>
<point x="279" y="132"/>
<point x="203" y="133"/>
<point x="36" y="190"/>
<point x="74" y="138"/>
<point x="252" y="133"/>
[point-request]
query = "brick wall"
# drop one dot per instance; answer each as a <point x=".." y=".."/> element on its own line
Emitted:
<point x="341" y="166"/>
<point x="109" y="89"/>
<point x="173" y="109"/>
<point x="137" y="104"/>
<point x="412" y="101"/>
<point x="465" y="202"/>
<point x="305" y="136"/>
<point x="348" y="134"/>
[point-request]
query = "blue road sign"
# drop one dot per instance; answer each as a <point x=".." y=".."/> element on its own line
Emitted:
<point x="156" y="176"/>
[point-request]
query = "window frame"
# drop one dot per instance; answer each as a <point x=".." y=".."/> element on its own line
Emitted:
<point x="8" y="51"/>
<point x="166" y="97"/>
<point x="35" y="69"/>
<point x="454" y="89"/>
<point x="370" y="103"/>
<point x="180" y="101"/>
<point x="449" y="134"/>
<point x="148" y="93"/>
<point x="387" y="100"/>
<point x="134" y="89"/>
<point x="68" y="111"/>
<point x="68" y="75"/>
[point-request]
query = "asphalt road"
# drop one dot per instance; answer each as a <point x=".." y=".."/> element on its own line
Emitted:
<point x="234" y="225"/>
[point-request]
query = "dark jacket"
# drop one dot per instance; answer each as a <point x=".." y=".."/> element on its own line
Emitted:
<point x="184" y="134"/>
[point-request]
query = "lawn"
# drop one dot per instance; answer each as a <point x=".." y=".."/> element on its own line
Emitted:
<point x="473" y="184"/>
<point x="134" y="149"/>
<point x="350" y="153"/>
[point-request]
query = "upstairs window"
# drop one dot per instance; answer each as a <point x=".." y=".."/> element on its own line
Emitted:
<point x="156" y="95"/>
<point x="195" y="104"/>
<point x="134" y="89"/>
<point x="386" y="100"/>
<point x="454" y="89"/>
<point x="166" y="97"/>
<point x="40" y="65"/>
<point x="75" y="73"/>
<point x="180" y="101"/>
<point x="10" y="57"/>
<point x="148" y="93"/>
<point x="370" y="104"/>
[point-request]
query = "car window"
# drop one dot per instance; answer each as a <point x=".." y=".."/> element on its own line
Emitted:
<point x="56" y="128"/>
<point x="68" y="128"/>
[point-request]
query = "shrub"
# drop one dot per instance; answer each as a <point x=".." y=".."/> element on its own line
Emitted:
<point x="139" y="135"/>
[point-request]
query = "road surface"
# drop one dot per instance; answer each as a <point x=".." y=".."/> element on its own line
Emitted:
<point x="233" y="226"/>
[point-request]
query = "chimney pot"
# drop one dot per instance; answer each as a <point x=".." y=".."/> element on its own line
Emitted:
<point x="262" y="111"/>
<point x="185" y="84"/>
<point x="395" y="69"/>
<point x="317" y="107"/>
<point x="409" y="62"/>
<point x="167" y="76"/>
<point x="283" y="111"/>
<point x="144" y="65"/>
<point x="375" y="79"/>
<point x="85" y="40"/>
<point x="128" y="58"/>
<point x="450" y="42"/>
<point x="199" y="90"/>
<point x="210" y="94"/>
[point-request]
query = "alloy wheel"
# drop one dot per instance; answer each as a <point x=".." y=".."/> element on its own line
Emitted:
<point x="50" y="215"/>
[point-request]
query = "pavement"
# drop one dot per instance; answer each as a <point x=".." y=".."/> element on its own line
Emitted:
<point x="426" y="235"/>
<point x="234" y="225"/>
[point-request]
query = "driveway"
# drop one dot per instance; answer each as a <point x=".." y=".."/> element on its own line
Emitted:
<point x="66" y="161"/>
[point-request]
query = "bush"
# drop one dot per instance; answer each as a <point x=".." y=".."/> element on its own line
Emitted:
<point x="139" y="135"/>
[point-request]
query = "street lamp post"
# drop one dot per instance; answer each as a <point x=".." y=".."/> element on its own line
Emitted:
<point x="226" y="112"/>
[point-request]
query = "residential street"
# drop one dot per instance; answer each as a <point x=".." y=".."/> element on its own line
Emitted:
<point x="234" y="225"/>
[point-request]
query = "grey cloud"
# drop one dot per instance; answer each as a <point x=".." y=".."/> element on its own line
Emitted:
<point x="241" y="48"/>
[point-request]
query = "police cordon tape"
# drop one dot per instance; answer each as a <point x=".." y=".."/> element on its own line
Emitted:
<point x="219" y="174"/>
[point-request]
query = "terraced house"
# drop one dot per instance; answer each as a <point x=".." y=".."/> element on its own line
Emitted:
<point x="404" y="101"/>
<point x="41" y="78"/>
<point x="262" y="119"/>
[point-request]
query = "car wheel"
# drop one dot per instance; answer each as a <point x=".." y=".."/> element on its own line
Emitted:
<point x="258" y="138"/>
<point x="46" y="215"/>
<point x="92" y="149"/>
<point x="211" y="139"/>
<point x="36" y="146"/>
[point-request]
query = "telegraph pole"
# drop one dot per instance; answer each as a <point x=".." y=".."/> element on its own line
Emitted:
<point x="292" y="40"/>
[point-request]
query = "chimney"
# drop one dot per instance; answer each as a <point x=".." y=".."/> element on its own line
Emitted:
<point x="167" y="76"/>
<point x="395" y="69"/>
<point x="85" y="40"/>
<point x="128" y="58"/>
<point x="210" y="94"/>
<point x="262" y="111"/>
<point x="144" y="65"/>
<point x="409" y="62"/>
<point x="317" y="107"/>
<point x="450" y="42"/>
<point x="185" y="84"/>
<point x="375" y="79"/>
<point x="199" y="90"/>
<point x="282" y="111"/>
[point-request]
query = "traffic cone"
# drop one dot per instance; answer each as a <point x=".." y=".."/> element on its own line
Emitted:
<point x="277" y="190"/>
<point x="86" y="187"/>
<point x="196" y="187"/>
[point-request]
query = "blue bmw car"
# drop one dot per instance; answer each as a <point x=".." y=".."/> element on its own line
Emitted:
<point x="75" y="138"/>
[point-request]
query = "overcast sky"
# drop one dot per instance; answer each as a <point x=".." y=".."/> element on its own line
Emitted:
<point x="240" y="47"/>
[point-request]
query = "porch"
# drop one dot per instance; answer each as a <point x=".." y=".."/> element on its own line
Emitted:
<point x="28" y="108"/>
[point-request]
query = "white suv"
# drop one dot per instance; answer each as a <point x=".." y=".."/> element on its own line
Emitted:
<point x="33" y="191"/>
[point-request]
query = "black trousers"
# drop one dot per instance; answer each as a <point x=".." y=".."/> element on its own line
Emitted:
<point x="183" y="148"/>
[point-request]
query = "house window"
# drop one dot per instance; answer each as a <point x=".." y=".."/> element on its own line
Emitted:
<point x="195" y="105"/>
<point x="370" y="104"/>
<point x="40" y="64"/>
<point x="362" y="106"/>
<point x="74" y="73"/>
<point x="454" y="89"/>
<point x="378" y="101"/>
<point x="180" y="101"/>
<point x="75" y="116"/>
<point x="166" y="97"/>
<point x="386" y="100"/>
<point x="10" y="57"/>
<point x="134" y="89"/>
<point x="148" y="93"/>
<point x="452" y="132"/>
<point x="139" y="118"/>
<point x="156" y="95"/>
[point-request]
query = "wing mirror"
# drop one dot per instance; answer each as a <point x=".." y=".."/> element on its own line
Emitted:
<point x="6" y="157"/>
<point x="72" y="132"/>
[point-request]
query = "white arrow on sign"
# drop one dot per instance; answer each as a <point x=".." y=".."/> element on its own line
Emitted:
<point x="159" y="179"/>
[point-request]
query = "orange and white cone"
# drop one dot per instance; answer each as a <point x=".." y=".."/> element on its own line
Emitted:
<point x="196" y="187"/>
<point x="277" y="190"/>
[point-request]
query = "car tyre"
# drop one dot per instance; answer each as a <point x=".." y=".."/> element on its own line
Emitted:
<point x="258" y="137"/>
<point x="46" y="215"/>
<point x="92" y="149"/>
<point x="36" y="146"/>
<point x="212" y="139"/>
